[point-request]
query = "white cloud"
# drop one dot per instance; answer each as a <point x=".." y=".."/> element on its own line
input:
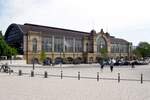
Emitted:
<point x="122" y="18"/>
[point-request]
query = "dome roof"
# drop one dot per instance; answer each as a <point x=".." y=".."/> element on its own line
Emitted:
<point x="93" y="31"/>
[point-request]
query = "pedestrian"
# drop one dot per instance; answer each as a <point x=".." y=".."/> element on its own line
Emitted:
<point x="111" y="65"/>
<point x="102" y="65"/>
<point x="132" y="64"/>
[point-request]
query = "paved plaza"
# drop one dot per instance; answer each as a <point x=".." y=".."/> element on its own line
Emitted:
<point x="25" y="87"/>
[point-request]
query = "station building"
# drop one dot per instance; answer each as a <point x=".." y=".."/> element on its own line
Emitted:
<point x="64" y="44"/>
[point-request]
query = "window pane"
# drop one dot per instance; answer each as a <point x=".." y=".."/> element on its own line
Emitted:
<point x="47" y="44"/>
<point x="34" y="45"/>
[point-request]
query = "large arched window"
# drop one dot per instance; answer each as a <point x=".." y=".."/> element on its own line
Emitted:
<point x="34" y="45"/>
<point x="101" y="43"/>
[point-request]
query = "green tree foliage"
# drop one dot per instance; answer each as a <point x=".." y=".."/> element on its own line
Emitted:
<point x="137" y="53"/>
<point x="5" y="49"/>
<point x="1" y="33"/>
<point x="103" y="52"/>
<point x="143" y="49"/>
<point x="42" y="56"/>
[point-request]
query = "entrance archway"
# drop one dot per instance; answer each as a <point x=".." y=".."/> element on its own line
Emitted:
<point x="69" y="60"/>
<point x="47" y="61"/>
<point x="78" y="60"/>
<point x="58" y="60"/>
<point x="35" y="61"/>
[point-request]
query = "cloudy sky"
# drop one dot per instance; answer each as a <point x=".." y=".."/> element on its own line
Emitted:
<point x="128" y="19"/>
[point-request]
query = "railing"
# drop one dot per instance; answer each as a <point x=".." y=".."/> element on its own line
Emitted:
<point x="79" y="77"/>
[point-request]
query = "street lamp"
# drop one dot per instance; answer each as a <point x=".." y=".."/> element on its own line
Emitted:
<point x="34" y="52"/>
<point x="60" y="50"/>
<point x="10" y="55"/>
<point x="34" y="47"/>
<point x="33" y="61"/>
<point x="120" y="53"/>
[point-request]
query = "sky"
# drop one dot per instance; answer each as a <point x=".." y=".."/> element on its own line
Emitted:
<point x="127" y="19"/>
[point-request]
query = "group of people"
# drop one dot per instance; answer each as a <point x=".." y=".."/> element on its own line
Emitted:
<point x="111" y="63"/>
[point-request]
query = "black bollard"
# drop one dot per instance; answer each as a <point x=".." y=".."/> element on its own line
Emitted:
<point x="32" y="73"/>
<point x="45" y="74"/>
<point x="118" y="77"/>
<point x="97" y="76"/>
<point x="61" y="75"/>
<point x="20" y="72"/>
<point x="141" y="78"/>
<point x="78" y="75"/>
<point x="10" y="71"/>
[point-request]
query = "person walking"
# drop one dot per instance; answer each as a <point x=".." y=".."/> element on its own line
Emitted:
<point x="132" y="64"/>
<point x="102" y="65"/>
<point x="111" y="65"/>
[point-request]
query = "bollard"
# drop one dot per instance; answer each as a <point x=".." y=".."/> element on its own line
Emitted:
<point x="20" y="72"/>
<point x="141" y="78"/>
<point x="78" y="75"/>
<point x="118" y="77"/>
<point x="61" y="75"/>
<point x="9" y="71"/>
<point x="32" y="73"/>
<point x="97" y="76"/>
<point x="45" y="74"/>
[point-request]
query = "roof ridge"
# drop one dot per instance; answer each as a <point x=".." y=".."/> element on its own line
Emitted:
<point x="54" y="28"/>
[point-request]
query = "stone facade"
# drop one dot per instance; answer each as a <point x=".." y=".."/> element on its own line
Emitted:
<point x="65" y="44"/>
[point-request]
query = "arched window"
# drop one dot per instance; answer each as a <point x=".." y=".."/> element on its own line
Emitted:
<point x="34" y="45"/>
<point x="101" y="43"/>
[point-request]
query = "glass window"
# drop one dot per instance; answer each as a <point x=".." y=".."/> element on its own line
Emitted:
<point x="78" y="45"/>
<point x="47" y="44"/>
<point x="68" y="44"/>
<point x="34" y="45"/>
<point x="58" y="44"/>
<point x="101" y="43"/>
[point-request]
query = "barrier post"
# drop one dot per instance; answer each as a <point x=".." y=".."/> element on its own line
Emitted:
<point x="78" y="75"/>
<point x="141" y="78"/>
<point x="61" y="75"/>
<point x="32" y="73"/>
<point x="97" y="76"/>
<point x="20" y="72"/>
<point x="45" y="74"/>
<point x="118" y="77"/>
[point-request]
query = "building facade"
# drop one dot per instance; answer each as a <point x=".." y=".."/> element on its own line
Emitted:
<point x="63" y="44"/>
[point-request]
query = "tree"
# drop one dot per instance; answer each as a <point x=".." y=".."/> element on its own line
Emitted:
<point x="5" y="49"/>
<point x="137" y="53"/>
<point x="143" y="49"/>
<point x="103" y="52"/>
<point x="1" y="33"/>
<point x="3" y="46"/>
<point x="42" y="56"/>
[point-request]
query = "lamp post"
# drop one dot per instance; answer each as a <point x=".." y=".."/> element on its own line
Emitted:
<point x="33" y="61"/>
<point x="34" y="52"/>
<point x="49" y="45"/>
<point x="120" y="53"/>
<point x="60" y="49"/>
<point x="10" y="55"/>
